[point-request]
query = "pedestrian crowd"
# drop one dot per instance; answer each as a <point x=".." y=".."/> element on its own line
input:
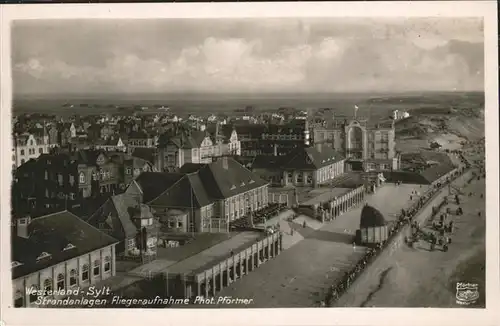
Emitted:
<point x="405" y="218"/>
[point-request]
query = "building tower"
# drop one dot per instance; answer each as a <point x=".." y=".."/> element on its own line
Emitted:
<point x="307" y="141"/>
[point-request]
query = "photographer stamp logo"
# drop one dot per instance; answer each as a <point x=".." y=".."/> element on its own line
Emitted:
<point x="467" y="293"/>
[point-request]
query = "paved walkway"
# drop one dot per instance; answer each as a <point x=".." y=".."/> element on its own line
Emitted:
<point x="301" y="275"/>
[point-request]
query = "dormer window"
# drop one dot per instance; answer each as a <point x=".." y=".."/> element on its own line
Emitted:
<point x="43" y="255"/>
<point x="242" y="184"/>
<point x="69" y="246"/>
<point x="15" y="264"/>
<point x="82" y="177"/>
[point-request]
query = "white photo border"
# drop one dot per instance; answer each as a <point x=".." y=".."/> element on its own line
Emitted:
<point x="232" y="317"/>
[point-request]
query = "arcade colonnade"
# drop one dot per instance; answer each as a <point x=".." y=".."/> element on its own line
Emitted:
<point x="343" y="203"/>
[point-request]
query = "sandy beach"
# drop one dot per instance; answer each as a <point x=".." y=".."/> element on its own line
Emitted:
<point x="416" y="277"/>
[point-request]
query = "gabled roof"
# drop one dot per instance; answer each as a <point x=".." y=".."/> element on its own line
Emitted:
<point x="311" y="158"/>
<point x="152" y="184"/>
<point x="187" y="192"/>
<point x="219" y="180"/>
<point x="255" y="130"/>
<point x="148" y="154"/>
<point x="124" y="205"/>
<point x="191" y="167"/>
<point x="435" y="172"/>
<point x="51" y="234"/>
<point x="225" y="130"/>
<point x="189" y="139"/>
<point x="229" y="180"/>
<point x="268" y="162"/>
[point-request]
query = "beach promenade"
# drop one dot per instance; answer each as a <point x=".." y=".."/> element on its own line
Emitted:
<point x="301" y="275"/>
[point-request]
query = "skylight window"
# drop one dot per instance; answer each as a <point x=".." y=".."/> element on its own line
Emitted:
<point x="15" y="264"/>
<point x="242" y="184"/>
<point x="233" y="187"/>
<point x="43" y="255"/>
<point x="251" y="181"/>
<point x="69" y="246"/>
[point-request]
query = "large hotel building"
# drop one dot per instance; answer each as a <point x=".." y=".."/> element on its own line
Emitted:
<point x="367" y="146"/>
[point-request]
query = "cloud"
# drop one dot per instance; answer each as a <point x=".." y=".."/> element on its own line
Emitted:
<point x="307" y="57"/>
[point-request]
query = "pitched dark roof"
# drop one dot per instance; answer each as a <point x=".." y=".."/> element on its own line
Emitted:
<point x="229" y="180"/>
<point x="187" y="192"/>
<point x="191" y="167"/>
<point x="153" y="184"/>
<point x="311" y="158"/>
<point x="215" y="181"/>
<point x="148" y="154"/>
<point x="225" y="131"/>
<point x="139" y="135"/>
<point x="255" y="130"/>
<point x="187" y="139"/>
<point x="51" y="234"/>
<point x="371" y="217"/>
<point x="268" y="162"/>
<point x="435" y="172"/>
<point x="124" y="205"/>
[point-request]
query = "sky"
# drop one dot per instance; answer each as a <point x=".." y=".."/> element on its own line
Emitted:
<point x="248" y="55"/>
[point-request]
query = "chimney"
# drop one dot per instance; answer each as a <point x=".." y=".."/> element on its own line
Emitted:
<point x="275" y="149"/>
<point x="22" y="225"/>
<point x="224" y="163"/>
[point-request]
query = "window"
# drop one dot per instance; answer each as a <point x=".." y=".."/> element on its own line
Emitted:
<point x="22" y="161"/>
<point x="15" y="263"/>
<point x="47" y="285"/>
<point x="107" y="264"/>
<point x="131" y="244"/>
<point x="179" y="224"/>
<point x="40" y="150"/>
<point x="82" y="177"/>
<point x="72" y="277"/>
<point x="97" y="267"/>
<point x="31" y="142"/>
<point x="19" y="300"/>
<point x="309" y="179"/>
<point x="85" y="273"/>
<point x="34" y="293"/>
<point x="22" y="152"/>
<point x="171" y="224"/>
<point x="60" y="282"/>
<point x="43" y="255"/>
<point x="129" y="171"/>
<point x="69" y="246"/>
<point x="300" y="178"/>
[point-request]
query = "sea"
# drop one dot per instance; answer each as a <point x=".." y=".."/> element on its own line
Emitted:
<point x="369" y="105"/>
